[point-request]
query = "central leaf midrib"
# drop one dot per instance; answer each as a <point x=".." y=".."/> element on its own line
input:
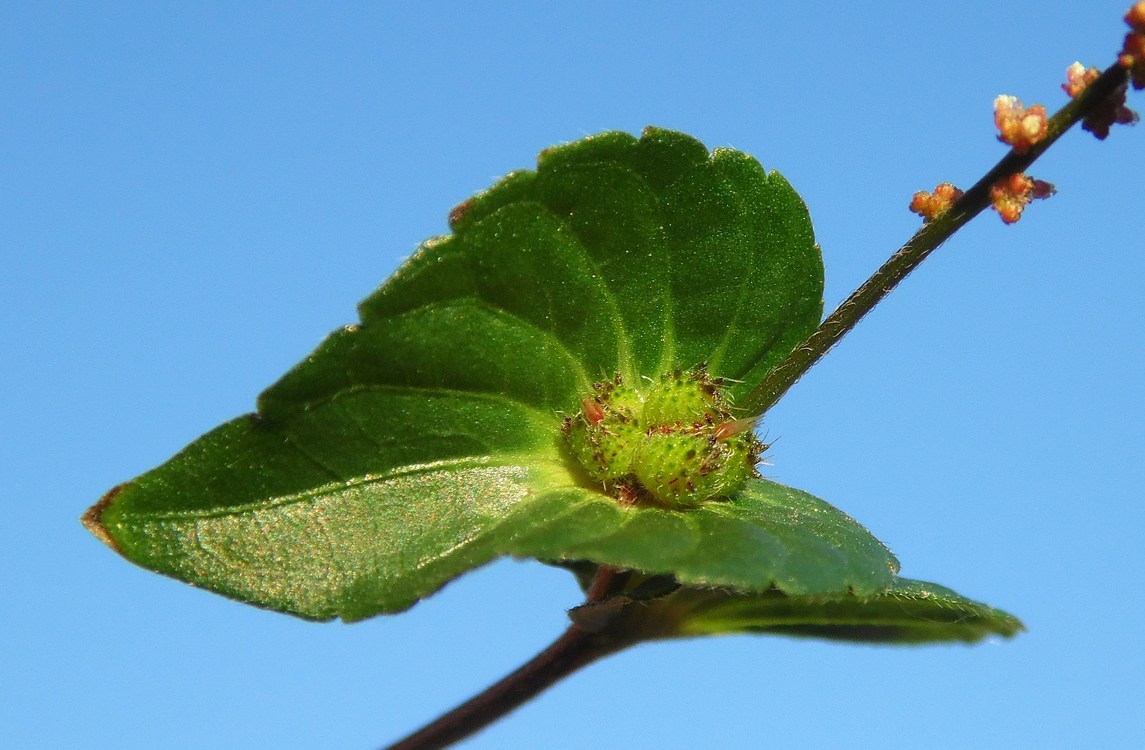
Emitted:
<point x="623" y="335"/>
<point x="496" y="310"/>
<point x="524" y="461"/>
<point x="750" y="264"/>
<point x="592" y="267"/>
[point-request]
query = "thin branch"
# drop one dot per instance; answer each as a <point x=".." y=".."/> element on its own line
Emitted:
<point x="576" y="648"/>
<point x="573" y="650"/>
<point x="925" y="241"/>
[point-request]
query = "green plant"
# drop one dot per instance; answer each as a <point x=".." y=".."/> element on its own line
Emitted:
<point x="572" y="376"/>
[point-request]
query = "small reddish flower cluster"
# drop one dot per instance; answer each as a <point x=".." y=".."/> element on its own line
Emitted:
<point x="1021" y="128"/>
<point x="1018" y="126"/>
<point x="1112" y="111"/>
<point x="1010" y="195"/>
<point x="1132" y="56"/>
<point x="931" y="205"/>
<point x="1078" y="77"/>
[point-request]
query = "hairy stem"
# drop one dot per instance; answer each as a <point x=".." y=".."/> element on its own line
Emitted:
<point x="925" y="241"/>
<point x="576" y="648"/>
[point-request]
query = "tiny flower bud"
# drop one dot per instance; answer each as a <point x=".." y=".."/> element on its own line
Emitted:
<point x="1012" y="194"/>
<point x="1132" y="58"/>
<point x="1078" y="77"/>
<point x="1111" y="111"/>
<point x="1136" y="18"/>
<point x="931" y="205"/>
<point x="1017" y="126"/>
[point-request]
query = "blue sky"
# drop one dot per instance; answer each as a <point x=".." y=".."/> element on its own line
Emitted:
<point x="194" y="194"/>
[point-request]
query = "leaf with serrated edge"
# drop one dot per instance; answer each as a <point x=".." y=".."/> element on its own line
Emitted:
<point x="425" y="441"/>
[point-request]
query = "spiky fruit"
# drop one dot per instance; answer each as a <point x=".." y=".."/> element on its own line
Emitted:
<point x="604" y="436"/>
<point x="684" y="468"/>
<point x="683" y="397"/>
<point x="674" y="442"/>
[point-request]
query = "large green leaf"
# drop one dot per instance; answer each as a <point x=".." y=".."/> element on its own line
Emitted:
<point x="425" y="441"/>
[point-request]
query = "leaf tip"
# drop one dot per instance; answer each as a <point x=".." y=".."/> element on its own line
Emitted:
<point x="92" y="519"/>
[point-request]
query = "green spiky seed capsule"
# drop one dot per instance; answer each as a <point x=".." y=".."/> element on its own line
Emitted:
<point x="673" y="443"/>
<point x="683" y="469"/>
<point x="604" y="435"/>
<point x="684" y="398"/>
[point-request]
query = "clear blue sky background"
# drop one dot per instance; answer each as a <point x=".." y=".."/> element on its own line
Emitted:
<point x="193" y="194"/>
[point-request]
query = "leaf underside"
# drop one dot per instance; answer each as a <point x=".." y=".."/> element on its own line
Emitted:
<point x="425" y="441"/>
<point x="909" y="612"/>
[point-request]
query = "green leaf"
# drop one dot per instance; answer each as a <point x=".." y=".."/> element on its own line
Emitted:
<point x="909" y="612"/>
<point x="425" y="441"/>
<point x="615" y="255"/>
<point x="766" y="536"/>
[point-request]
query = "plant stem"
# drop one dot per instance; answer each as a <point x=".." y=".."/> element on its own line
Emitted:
<point x="573" y="650"/>
<point x="576" y="648"/>
<point x="922" y="244"/>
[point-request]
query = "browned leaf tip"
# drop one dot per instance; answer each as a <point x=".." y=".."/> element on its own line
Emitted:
<point x="92" y="519"/>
